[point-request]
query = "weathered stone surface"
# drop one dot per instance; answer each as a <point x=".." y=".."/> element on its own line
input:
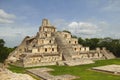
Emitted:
<point x="8" y="75"/>
<point x="109" y="68"/>
<point x="79" y="62"/>
<point x="43" y="73"/>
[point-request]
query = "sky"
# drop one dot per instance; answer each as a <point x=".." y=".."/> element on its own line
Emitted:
<point x="83" y="18"/>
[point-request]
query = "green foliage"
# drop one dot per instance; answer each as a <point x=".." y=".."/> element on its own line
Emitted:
<point x="67" y="31"/>
<point x="92" y="43"/>
<point x="80" y="40"/>
<point x="4" y="51"/>
<point x="84" y="72"/>
<point x="2" y="42"/>
<point x="73" y="36"/>
<point x="16" y="69"/>
<point x="111" y="44"/>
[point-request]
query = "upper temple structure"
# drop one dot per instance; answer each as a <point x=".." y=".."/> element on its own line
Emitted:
<point x="52" y="47"/>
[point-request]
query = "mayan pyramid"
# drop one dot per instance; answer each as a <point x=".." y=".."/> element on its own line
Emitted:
<point x="52" y="47"/>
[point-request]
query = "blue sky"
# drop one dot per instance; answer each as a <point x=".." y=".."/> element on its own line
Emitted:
<point x="84" y="18"/>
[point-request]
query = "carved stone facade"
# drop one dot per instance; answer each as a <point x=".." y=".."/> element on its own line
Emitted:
<point x="50" y="46"/>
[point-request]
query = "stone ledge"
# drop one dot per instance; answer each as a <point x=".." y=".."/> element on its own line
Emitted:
<point x="43" y="73"/>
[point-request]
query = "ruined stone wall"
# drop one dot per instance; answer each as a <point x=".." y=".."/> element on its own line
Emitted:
<point x="44" y="34"/>
<point x="66" y="35"/>
<point x="45" y="49"/>
<point x="42" y="41"/>
<point x="39" y="60"/>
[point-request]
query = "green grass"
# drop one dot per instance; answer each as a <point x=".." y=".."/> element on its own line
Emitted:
<point x="82" y="71"/>
<point x="21" y="70"/>
<point x="16" y="69"/>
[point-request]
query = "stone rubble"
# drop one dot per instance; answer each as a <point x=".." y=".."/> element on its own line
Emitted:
<point x="6" y="74"/>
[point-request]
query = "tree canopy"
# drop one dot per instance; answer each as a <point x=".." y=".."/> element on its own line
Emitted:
<point x="4" y="51"/>
<point x="111" y="44"/>
<point x="67" y="31"/>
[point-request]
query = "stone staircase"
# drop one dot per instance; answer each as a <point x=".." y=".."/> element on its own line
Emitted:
<point x="107" y="54"/>
<point x="63" y="46"/>
<point x="14" y="53"/>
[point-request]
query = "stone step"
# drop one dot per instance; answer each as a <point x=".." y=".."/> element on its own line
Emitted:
<point x="64" y="46"/>
<point x="78" y="62"/>
<point x="108" y="55"/>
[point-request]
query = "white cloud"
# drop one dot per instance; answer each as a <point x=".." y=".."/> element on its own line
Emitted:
<point x="13" y="34"/>
<point x="60" y="24"/>
<point x="83" y="28"/>
<point x="73" y="24"/>
<point x="112" y="5"/>
<point x="5" y="17"/>
<point x="89" y="28"/>
<point x="4" y="21"/>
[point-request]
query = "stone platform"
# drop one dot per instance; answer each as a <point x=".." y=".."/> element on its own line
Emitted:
<point x="108" y="68"/>
<point x="78" y="62"/>
<point x="43" y="73"/>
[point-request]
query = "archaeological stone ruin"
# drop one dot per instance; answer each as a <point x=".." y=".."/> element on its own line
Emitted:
<point x="115" y="69"/>
<point x="6" y="74"/>
<point x="44" y="74"/>
<point x="52" y="47"/>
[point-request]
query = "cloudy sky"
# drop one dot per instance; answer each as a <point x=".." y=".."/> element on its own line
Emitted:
<point x="84" y="18"/>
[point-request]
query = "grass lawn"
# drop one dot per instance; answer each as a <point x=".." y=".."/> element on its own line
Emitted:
<point x="82" y="71"/>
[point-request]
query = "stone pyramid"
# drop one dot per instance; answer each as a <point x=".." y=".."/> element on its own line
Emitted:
<point x="52" y="47"/>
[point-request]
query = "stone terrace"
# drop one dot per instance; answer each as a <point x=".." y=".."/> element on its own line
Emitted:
<point x="78" y="62"/>
<point x="43" y="73"/>
<point x="109" y="68"/>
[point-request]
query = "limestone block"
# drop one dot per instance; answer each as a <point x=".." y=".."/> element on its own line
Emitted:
<point x="97" y="49"/>
<point x="90" y="55"/>
<point x="87" y="49"/>
<point x="8" y="75"/>
<point x="82" y="49"/>
<point x="74" y="41"/>
<point x="104" y="48"/>
<point x="34" y="50"/>
<point x="100" y="55"/>
<point x="85" y="55"/>
<point x="96" y="55"/>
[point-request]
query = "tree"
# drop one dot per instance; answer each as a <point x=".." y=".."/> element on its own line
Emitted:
<point x="111" y="44"/>
<point x="80" y="41"/>
<point x="67" y="31"/>
<point x="92" y="43"/>
<point x="2" y="42"/>
<point x="4" y="51"/>
<point x="73" y="36"/>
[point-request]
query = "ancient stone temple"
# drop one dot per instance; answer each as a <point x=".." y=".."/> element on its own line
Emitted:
<point x="52" y="47"/>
